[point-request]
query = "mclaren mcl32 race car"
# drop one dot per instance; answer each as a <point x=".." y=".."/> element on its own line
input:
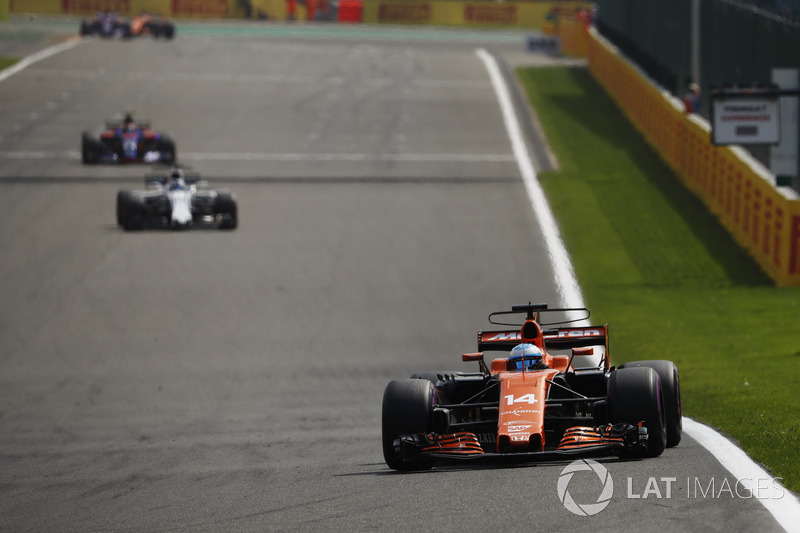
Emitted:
<point x="552" y="394"/>
<point x="108" y="24"/>
<point x="176" y="201"/>
<point x="127" y="141"/>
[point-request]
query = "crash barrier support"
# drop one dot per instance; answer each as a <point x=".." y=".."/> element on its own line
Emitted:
<point x="763" y="218"/>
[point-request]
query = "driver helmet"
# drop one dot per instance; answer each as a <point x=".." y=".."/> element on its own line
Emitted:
<point x="176" y="178"/>
<point x="525" y="357"/>
<point x="128" y="124"/>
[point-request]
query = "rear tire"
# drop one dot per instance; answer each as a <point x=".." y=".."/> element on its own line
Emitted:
<point x="166" y="146"/>
<point x="634" y="395"/>
<point x="407" y="410"/>
<point x="671" y="388"/>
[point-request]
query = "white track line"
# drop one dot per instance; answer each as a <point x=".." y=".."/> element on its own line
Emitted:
<point x="292" y="157"/>
<point x="566" y="283"/>
<point x="779" y="501"/>
<point x="38" y="56"/>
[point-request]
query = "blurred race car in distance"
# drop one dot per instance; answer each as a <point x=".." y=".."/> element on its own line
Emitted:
<point x="553" y="394"/>
<point x="110" y="24"/>
<point x="152" y="24"/>
<point x="176" y="200"/>
<point x="105" y="24"/>
<point x="127" y="141"/>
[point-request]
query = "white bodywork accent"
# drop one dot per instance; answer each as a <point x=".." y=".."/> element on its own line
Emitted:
<point x="181" y="202"/>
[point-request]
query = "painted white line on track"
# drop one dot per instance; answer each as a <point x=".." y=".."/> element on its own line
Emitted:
<point x="779" y="501"/>
<point x="566" y="283"/>
<point x="38" y="56"/>
<point x="412" y="158"/>
<point x="296" y="157"/>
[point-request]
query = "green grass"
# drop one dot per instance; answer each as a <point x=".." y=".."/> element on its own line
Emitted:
<point x="6" y="62"/>
<point x="666" y="276"/>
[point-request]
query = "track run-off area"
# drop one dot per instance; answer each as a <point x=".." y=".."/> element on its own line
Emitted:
<point x="233" y="380"/>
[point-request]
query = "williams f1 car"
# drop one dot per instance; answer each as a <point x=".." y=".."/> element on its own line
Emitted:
<point x="108" y="24"/>
<point x="176" y="201"/>
<point x="127" y="141"/>
<point x="552" y="394"/>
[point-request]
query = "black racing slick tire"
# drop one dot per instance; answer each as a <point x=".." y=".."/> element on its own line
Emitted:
<point x="129" y="211"/>
<point x="226" y="208"/>
<point x="671" y="388"/>
<point x="168" y="30"/>
<point x="407" y="410"/>
<point x="89" y="148"/>
<point x="166" y="147"/>
<point x="634" y="395"/>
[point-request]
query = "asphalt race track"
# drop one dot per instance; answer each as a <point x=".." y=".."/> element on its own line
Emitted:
<point x="232" y="381"/>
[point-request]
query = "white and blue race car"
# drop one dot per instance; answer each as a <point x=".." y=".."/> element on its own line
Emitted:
<point x="176" y="201"/>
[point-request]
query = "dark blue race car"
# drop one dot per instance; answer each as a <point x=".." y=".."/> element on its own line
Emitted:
<point x="127" y="142"/>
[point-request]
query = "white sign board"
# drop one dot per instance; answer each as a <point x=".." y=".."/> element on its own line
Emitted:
<point x="745" y="120"/>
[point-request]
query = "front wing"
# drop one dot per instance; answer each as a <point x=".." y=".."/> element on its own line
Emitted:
<point x="600" y="441"/>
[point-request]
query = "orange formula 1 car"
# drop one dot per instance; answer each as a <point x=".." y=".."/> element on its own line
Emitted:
<point x="553" y="394"/>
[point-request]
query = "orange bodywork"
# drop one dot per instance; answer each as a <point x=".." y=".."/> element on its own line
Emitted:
<point x="520" y="425"/>
<point x="138" y="23"/>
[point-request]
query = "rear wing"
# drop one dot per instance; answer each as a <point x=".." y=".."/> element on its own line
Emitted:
<point x="114" y="124"/>
<point x="160" y="179"/>
<point x="556" y="340"/>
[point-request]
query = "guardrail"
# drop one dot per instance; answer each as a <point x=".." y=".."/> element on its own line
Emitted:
<point x="762" y="217"/>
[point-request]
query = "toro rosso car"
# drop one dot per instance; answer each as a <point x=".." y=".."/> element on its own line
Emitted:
<point x="552" y="394"/>
<point x="127" y="141"/>
<point x="176" y="201"/>
<point x="108" y="24"/>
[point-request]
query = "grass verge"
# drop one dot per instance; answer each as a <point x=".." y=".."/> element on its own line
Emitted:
<point x="6" y="62"/>
<point x="666" y="276"/>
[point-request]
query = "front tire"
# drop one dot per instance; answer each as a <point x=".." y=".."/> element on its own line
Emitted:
<point x="227" y="210"/>
<point x="671" y="388"/>
<point x="407" y="410"/>
<point x="634" y="395"/>
<point x="129" y="211"/>
<point x="89" y="149"/>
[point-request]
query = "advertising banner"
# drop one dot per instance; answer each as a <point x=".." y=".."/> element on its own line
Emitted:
<point x="200" y="8"/>
<point x="404" y="12"/>
<point x="85" y="7"/>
